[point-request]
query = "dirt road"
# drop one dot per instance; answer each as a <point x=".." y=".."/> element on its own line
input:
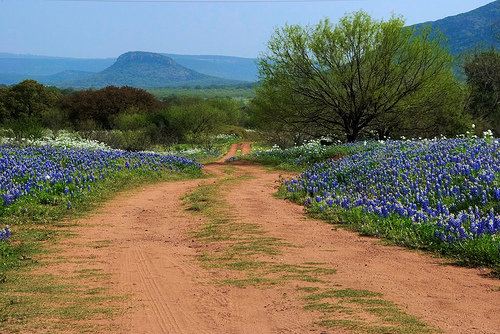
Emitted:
<point x="243" y="148"/>
<point x="154" y="257"/>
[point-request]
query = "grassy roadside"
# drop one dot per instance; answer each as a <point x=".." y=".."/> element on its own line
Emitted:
<point x="300" y="158"/>
<point x="32" y="300"/>
<point x="242" y="253"/>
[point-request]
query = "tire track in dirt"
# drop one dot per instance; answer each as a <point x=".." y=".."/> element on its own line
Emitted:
<point x="143" y="241"/>
<point x="165" y="320"/>
<point x="151" y="256"/>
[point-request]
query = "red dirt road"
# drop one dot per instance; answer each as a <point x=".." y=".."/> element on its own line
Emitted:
<point x="150" y="255"/>
<point x="245" y="148"/>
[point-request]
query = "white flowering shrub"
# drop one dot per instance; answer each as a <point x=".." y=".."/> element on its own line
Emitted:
<point x="63" y="139"/>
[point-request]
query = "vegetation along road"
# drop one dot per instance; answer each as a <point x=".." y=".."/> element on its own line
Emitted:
<point x="223" y="255"/>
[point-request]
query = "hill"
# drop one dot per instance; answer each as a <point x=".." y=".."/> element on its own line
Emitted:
<point x="42" y="65"/>
<point x="465" y="31"/>
<point x="146" y="70"/>
<point x="51" y="80"/>
<point x="55" y="79"/>
<point x="234" y="68"/>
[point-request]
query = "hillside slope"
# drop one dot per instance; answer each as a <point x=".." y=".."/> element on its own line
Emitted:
<point x="146" y="70"/>
<point x="465" y="31"/>
<point x="42" y="65"/>
<point x="234" y="68"/>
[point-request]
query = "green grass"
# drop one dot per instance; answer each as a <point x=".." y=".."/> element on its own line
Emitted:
<point x="301" y="269"/>
<point x="244" y="265"/>
<point x="308" y="289"/>
<point x="86" y="273"/>
<point x="254" y="281"/>
<point x="323" y="307"/>
<point x="361" y="311"/>
<point x="31" y="300"/>
<point x="302" y="278"/>
<point x="369" y="302"/>
<point x="343" y="293"/>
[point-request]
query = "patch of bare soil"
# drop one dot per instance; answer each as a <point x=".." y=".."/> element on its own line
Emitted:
<point x="245" y="148"/>
<point x="144" y="240"/>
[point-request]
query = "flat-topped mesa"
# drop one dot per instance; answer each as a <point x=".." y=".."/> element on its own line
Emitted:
<point x="144" y="57"/>
<point x="146" y="70"/>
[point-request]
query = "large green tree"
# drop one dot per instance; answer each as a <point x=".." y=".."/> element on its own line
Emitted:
<point x="28" y="106"/>
<point x="27" y="99"/>
<point x="361" y="74"/>
<point x="482" y="68"/>
<point x="99" y="109"/>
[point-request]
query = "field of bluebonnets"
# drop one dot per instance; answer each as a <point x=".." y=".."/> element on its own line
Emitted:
<point x="441" y="195"/>
<point x="45" y="172"/>
<point x="42" y="180"/>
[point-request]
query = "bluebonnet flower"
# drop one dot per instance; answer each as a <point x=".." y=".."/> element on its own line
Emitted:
<point x="5" y="234"/>
<point x="444" y="182"/>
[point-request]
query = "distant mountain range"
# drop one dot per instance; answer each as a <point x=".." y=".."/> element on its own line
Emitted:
<point x="81" y="73"/>
<point x="467" y="30"/>
<point x="44" y="65"/>
<point x="145" y="69"/>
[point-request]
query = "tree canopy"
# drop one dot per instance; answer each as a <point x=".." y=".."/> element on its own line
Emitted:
<point x="89" y="109"/>
<point x="482" y="69"/>
<point x="359" y="75"/>
<point x="27" y="99"/>
<point x="25" y="106"/>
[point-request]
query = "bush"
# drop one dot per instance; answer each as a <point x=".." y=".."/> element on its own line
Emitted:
<point x="129" y="140"/>
<point x="26" y="127"/>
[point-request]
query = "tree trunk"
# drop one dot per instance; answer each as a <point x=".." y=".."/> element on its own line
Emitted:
<point x="352" y="136"/>
<point x="383" y="133"/>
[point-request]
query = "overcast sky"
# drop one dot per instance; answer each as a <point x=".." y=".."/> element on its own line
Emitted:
<point x="99" y="29"/>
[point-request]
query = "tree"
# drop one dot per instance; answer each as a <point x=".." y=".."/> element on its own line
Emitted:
<point x="27" y="106"/>
<point x="361" y="74"/>
<point x="91" y="109"/>
<point x="429" y="112"/>
<point x="482" y="69"/>
<point x="281" y="119"/>
<point x="27" y="99"/>
<point x="195" y="123"/>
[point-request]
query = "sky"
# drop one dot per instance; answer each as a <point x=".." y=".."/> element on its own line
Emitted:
<point x="104" y="29"/>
